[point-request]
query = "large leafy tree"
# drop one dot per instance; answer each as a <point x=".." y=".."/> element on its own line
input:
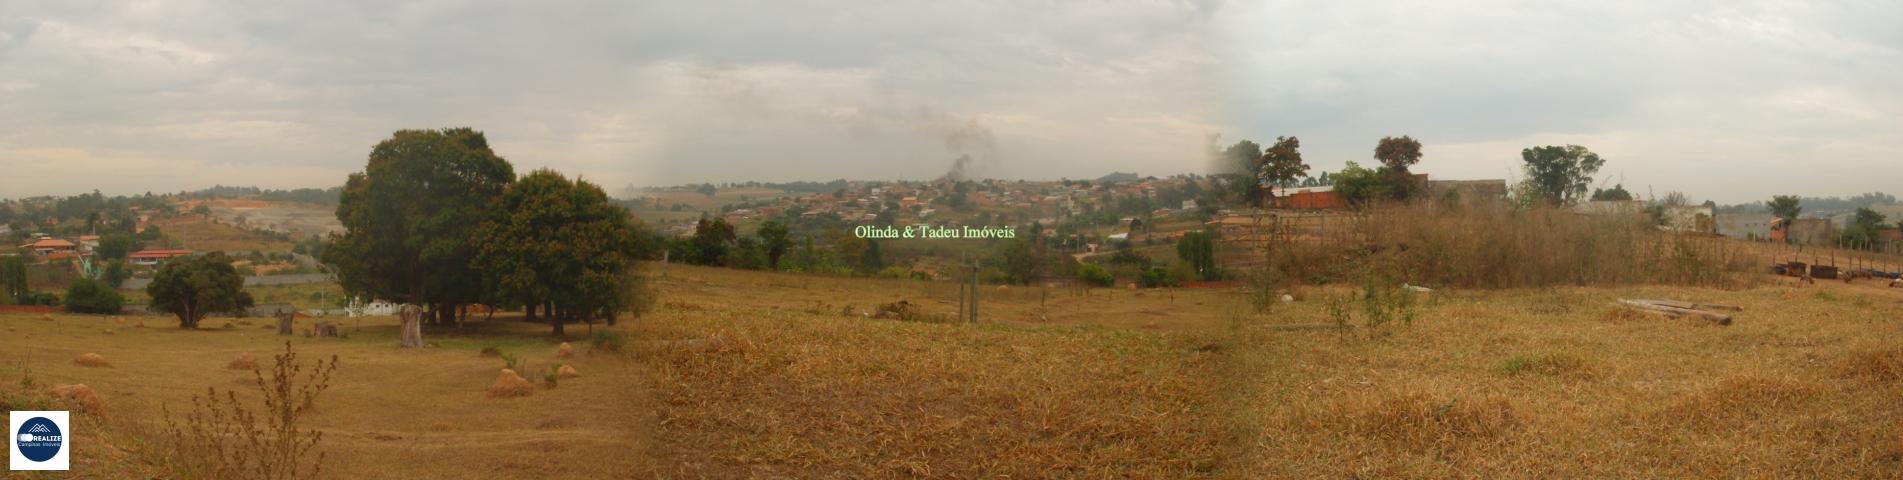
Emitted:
<point x="712" y="239"/>
<point x="1240" y="162"/>
<point x="1863" y="229"/>
<point x="116" y="246"/>
<point x="1559" y="175"/>
<point x="773" y="236"/>
<point x="1616" y="193"/>
<point x="1396" y="155"/>
<point x="1785" y="207"/>
<point x="13" y="279"/>
<point x="563" y="245"/>
<point x="1282" y="163"/>
<point x="192" y="287"/>
<point x="408" y="219"/>
<point x="1198" y="249"/>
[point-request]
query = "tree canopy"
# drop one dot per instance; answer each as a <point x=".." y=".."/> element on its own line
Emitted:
<point x="1558" y="175"/>
<point x="560" y="244"/>
<point x="1785" y="207"/>
<point x="1398" y="153"/>
<point x="192" y="287"/>
<point x="408" y="218"/>
<point x="1282" y="164"/>
<point x="1616" y="193"/>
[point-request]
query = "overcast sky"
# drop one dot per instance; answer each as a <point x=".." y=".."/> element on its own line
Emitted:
<point x="1723" y="100"/>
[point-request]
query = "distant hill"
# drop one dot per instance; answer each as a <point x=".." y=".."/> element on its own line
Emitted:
<point x="1119" y="177"/>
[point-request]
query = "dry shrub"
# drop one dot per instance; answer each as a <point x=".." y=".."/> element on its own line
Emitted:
<point x="1417" y="423"/>
<point x="508" y="384"/>
<point x="222" y="437"/>
<point x="243" y="361"/>
<point x="79" y="396"/>
<point x="1884" y="365"/>
<point x="91" y="360"/>
<point x="567" y="371"/>
<point x="490" y="352"/>
<point x="564" y="351"/>
<point x="1501" y="247"/>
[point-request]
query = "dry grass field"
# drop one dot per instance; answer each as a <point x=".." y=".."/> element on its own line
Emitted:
<point x="760" y="375"/>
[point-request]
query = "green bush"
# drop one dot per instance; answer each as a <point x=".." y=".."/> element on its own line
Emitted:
<point x="1158" y="277"/>
<point x="1094" y="275"/>
<point x="93" y="296"/>
<point x="895" y="271"/>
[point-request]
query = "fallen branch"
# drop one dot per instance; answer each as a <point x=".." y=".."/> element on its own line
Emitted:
<point x="1677" y="309"/>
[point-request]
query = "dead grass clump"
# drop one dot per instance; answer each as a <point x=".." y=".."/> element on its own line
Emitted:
<point x="508" y="384"/>
<point x="1877" y="364"/>
<point x="79" y="396"/>
<point x="490" y="352"/>
<point x="564" y="351"/>
<point x="91" y="360"/>
<point x="1417" y="423"/>
<point x="1621" y="315"/>
<point x="567" y="371"/>
<point x="243" y="361"/>
<point x="1556" y="364"/>
<point x="1738" y="400"/>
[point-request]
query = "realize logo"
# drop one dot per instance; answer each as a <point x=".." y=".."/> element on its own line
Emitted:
<point x="39" y="442"/>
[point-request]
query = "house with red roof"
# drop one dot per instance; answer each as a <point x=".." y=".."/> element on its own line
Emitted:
<point x="48" y="246"/>
<point x="154" y="256"/>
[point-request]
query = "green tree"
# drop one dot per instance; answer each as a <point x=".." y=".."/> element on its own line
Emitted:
<point x="192" y="287"/>
<point x="1616" y="193"/>
<point x="408" y="218"/>
<point x="114" y="246"/>
<point x="93" y="296"/>
<point x="773" y="236"/>
<point x="1094" y="275"/>
<point x="1786" y="208"/>
<point x="712" y="238"/>
<point x="1397" y="155"/>
<point x="562" y="245"/>
<point x="1359" y="185"/>
<point x="1559" y="175"/>
<point x="1282" y="163"/>
<point x="1198" y="249"/>
<point x="13" y="279"/>
<point x="115" y="273"/>
<point x="1017" y="260"/>
<point x="1863" y="228"/>
<point x="872" y="260"/>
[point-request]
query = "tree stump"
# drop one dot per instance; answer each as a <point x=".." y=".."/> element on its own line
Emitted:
<point x="284" y="321"/>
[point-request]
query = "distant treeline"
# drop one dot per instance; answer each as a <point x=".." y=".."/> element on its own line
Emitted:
<point x="320" y="196"/>
<point x="1819" y="204"/>
<point x="802" y="186"/>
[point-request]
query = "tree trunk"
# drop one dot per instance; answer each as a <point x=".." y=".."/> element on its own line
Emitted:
<point x="412" y="327"/>
<point x="557" y="320"/>
<point x="531" y="310"/>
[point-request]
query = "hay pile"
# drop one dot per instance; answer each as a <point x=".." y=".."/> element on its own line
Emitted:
<point x="91" y="360"/>
<point x="508" y="384"/>
<point x="80" y="396"/>
<point x="567" y="372"/>
<point x="46" y="316"/>
<point x="244" y="361"/>
<point x="564" y="351"/>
